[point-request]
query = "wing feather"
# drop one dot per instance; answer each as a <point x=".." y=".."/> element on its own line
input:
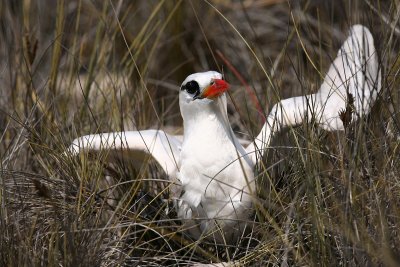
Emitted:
<point x="355" y="71"/>
<point x="137" y="145"/>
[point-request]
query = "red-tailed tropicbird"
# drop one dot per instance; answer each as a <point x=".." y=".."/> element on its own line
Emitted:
<point x="216" y="173"/>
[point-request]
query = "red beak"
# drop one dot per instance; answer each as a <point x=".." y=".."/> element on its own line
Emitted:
<point x="217" y="88"/>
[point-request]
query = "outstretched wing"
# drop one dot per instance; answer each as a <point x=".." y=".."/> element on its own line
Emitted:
<point x="138" y="146"/>
<point x="353" y="79"/>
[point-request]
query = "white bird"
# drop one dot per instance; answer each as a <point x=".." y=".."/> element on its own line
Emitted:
<point x="215" y="172"/>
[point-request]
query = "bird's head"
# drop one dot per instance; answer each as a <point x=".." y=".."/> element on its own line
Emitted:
<point x="203" y="85"/>
<point x="201" y="90"/>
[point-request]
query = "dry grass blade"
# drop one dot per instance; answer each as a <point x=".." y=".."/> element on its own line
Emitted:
<point x="69" y="68"/>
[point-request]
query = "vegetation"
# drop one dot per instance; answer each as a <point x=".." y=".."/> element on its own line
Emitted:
<point x="69" y="68"/>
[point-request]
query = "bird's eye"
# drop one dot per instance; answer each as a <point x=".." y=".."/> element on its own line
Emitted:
<point x="192" y="87"/>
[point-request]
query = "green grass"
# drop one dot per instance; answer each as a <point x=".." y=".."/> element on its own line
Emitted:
<point x="69" y="68"/>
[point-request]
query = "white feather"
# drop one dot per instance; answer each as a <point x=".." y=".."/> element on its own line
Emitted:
<point x="137" y="145"/>
<point x="355" y="70"/>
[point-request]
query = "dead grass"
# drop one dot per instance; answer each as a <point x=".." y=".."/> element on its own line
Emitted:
<point x="69" y="68"/>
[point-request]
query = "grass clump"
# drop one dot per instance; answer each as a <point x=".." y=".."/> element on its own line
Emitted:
<point x="69" y="68"/>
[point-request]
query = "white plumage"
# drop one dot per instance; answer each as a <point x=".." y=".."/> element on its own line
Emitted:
<point x="355" y="71"/>
<point x="215" y="171"/>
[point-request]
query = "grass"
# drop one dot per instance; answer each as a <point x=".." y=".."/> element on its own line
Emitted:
<point x="69" y="68"/>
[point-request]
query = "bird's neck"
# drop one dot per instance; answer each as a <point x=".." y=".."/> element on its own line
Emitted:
<point x="210" y="121"/>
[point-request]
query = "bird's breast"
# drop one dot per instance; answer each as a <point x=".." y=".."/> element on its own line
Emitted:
<point x="213" y="172"/>
<point x="216" y="179"/>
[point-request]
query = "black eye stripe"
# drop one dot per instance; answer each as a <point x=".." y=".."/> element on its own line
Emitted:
<point x="192" y="87"/>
